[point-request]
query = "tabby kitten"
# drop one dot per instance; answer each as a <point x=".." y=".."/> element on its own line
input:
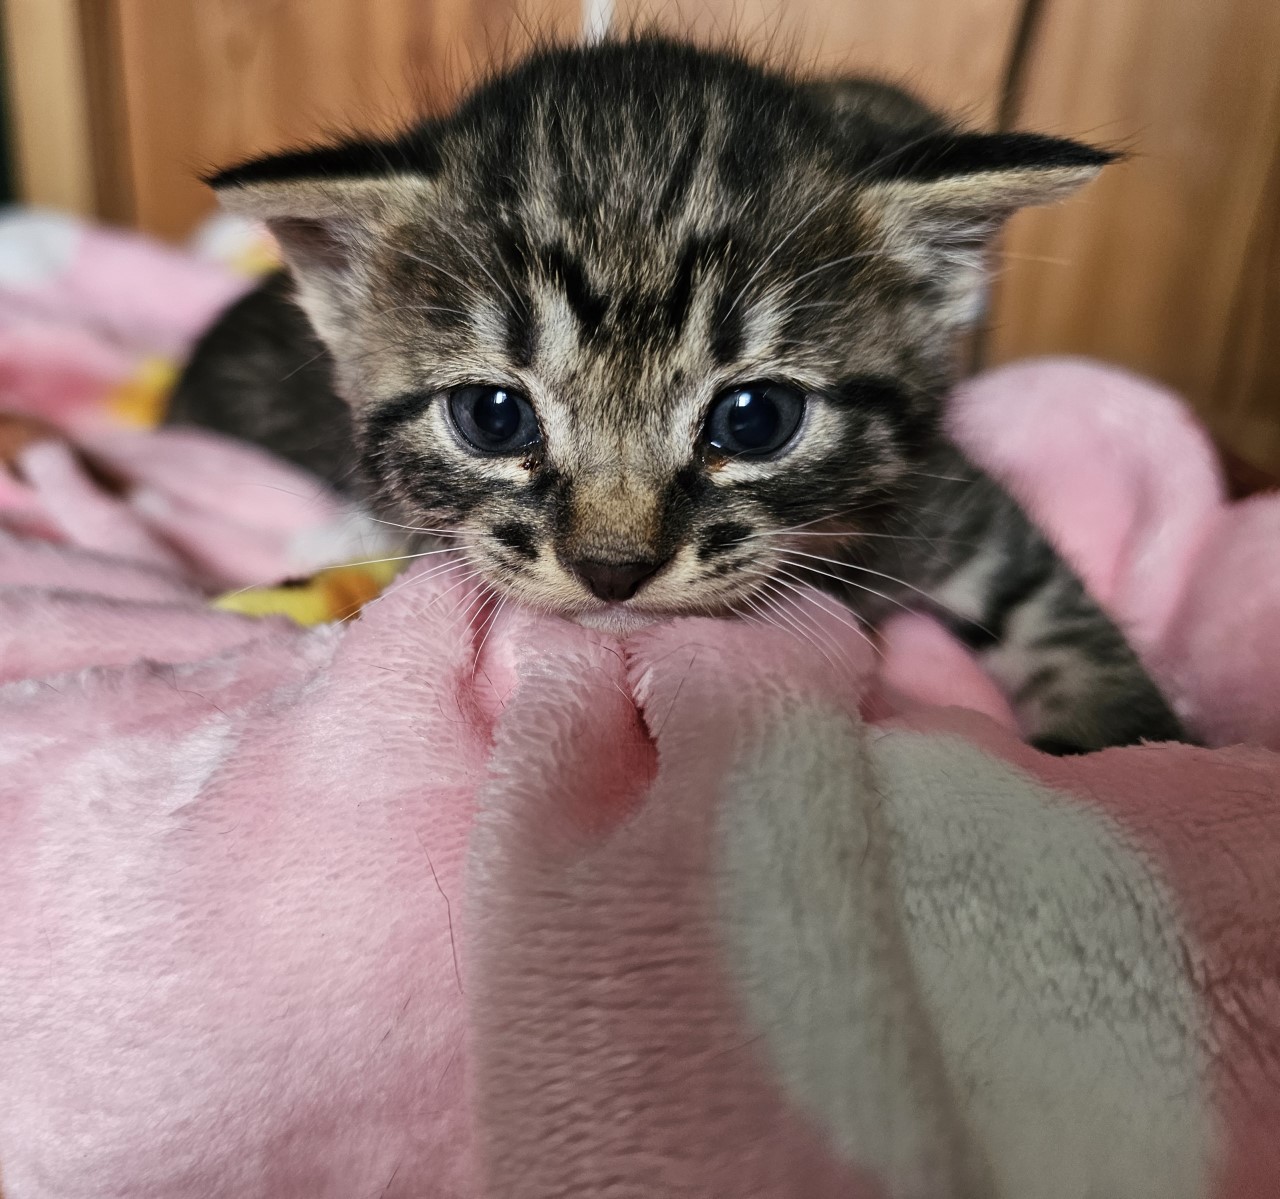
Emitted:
<point x="653" y="330"/>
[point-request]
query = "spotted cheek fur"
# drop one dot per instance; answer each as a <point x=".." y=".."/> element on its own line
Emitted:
<point x="512" y="545"/>
<point x="720" y="559"/>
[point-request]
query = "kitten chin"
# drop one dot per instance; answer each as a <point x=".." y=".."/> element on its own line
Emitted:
<point x="618" y="619"/>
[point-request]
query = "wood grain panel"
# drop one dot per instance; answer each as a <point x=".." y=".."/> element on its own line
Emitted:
<point x="1146" y="267"/>
<point x="48" y="104"/>
<point x="952" y="52"/>
<point x="209" y="81"/>
<point x="107" y="116"/>
<point x="1245" y="400"/>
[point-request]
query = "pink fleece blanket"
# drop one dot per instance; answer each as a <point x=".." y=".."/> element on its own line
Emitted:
<point x="449" y="903"/>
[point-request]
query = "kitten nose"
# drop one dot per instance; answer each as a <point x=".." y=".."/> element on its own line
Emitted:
<point x="615" y="581"/>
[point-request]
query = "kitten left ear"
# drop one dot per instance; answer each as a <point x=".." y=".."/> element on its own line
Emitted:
<point x="328" y="222"/>
<point x="940" y="201"/>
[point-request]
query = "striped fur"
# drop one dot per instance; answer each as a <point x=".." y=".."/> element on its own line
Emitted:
<point x="622" y="232"/>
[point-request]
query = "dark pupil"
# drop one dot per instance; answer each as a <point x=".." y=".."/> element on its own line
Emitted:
<point x="754" y="420"/>
<point x="496" y="415"/>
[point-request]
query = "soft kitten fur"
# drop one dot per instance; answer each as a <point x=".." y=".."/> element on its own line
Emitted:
<point x="624" y="234"/>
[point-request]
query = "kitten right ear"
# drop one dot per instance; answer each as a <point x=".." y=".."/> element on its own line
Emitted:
<point x="936" y="201"/>
<point x="328" y="210"/>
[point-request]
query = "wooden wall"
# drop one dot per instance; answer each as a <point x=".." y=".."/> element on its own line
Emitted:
<point x="1169" y="265"/>
<point x="49" y="103"/>
<point x="204" y="82"/>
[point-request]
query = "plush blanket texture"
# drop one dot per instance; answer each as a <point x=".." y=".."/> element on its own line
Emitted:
<point x="452" y="901"/>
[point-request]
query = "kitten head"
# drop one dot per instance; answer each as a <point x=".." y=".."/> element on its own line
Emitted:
<point x="632" y="312"/>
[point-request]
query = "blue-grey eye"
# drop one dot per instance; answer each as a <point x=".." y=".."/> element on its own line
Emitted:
<point x="754" y="420"/>
<point x="494" y="420"/>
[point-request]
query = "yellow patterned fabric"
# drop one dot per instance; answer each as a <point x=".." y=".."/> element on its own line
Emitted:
<point x="334" y="594"/>
<point x="140" y="401"/>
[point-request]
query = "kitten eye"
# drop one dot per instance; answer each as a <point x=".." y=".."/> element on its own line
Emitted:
<point x="754" y="420"/>
<point x="494" y="420"/>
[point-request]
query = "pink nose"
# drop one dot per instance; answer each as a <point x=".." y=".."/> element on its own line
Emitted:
<point x="614" y="581"/>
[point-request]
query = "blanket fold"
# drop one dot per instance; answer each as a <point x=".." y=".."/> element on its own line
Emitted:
<point x="455" y="900"/>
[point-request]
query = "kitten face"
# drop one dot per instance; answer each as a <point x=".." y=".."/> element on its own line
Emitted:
<point x="635" y="312"/>
<point x="632" y="365"/>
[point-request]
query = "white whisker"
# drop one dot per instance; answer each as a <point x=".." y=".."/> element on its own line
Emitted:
<point x="839" y="611"/>
<point x="785" y="608"/>
<point x="416" y="528"/>
<point x="438" y="569"/>
<point x="806" y="569"/>
<point x="268" y="583"/>
<point x="448" y="549"/>
<point x="487" y="625"/>
<point x="879" y="574"/>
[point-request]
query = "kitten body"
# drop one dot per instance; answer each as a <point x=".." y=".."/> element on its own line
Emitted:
<point x="650" y="330"/>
